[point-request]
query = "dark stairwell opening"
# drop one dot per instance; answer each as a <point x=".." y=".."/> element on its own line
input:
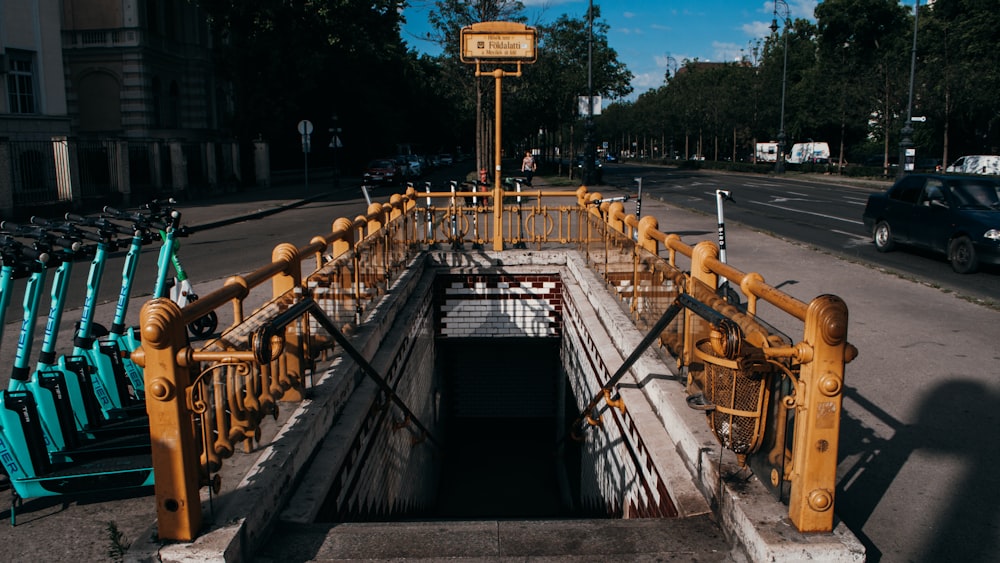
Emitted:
<point x="502" y="401"/>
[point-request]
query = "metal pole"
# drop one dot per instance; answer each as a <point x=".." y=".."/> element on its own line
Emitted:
<point x="497" y="189"/>
<point x="430" y="221"/>
<point x="907" y="141"/>
<point x="588" y="153"/>
<point x="779" y="163"/>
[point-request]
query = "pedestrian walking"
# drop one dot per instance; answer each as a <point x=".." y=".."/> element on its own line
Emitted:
<point x="528" y="167"/>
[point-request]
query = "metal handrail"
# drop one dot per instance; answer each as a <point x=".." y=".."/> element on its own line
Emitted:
<point x="361" y="256"/>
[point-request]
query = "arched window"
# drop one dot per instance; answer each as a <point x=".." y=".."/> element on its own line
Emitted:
<point x="100" y="102"/>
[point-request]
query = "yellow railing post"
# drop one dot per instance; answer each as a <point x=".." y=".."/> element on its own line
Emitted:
<point x="293" y="367"/>
<point x="817" y="416"/>
<point x="647" y="225"/>
<point x="174" y="449"/>
<point x="694" y="327"/>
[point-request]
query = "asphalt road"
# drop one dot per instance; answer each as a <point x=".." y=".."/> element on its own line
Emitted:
<point x="812" y="210"/>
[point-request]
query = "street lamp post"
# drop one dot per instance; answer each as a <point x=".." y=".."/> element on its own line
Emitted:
<point x="906" y="142"/>
<point x="588" y="152"/>
<point x="335" y="144"/>
<point x="779" y="163"/>
<point x="671" y="68"/>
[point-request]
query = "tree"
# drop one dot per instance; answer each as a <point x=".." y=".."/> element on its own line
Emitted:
<point x="287" y="60"/>
<point x="958" y="51"/>
<point x="862" y="45"/>
<point x="448" y="19"/>
<point x="547" y="97"/>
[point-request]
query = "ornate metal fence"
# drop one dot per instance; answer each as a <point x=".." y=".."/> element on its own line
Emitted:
<point x="205" y="402"/>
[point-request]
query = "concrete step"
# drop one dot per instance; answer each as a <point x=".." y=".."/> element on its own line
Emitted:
<point x="696" y="539"/>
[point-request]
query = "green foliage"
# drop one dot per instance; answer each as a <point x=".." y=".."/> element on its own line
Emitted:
<point x="846" y="81"/>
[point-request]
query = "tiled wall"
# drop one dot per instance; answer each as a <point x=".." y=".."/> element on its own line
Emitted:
<point x="498" y="305"/>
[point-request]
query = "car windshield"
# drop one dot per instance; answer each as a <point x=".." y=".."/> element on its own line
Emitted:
<point x="380" y="164"/>
<point x="977" y="194"/>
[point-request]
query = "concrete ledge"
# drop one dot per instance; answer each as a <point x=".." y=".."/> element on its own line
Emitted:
<point x="749" y="514"/>
<point x="244" y="516"/>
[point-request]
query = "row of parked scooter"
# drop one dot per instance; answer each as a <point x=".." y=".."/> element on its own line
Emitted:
<point x="77" y="422"/>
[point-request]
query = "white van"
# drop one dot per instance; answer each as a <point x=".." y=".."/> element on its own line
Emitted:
<point x="767" y="152"/>
<point x="976" y="164"/>
<point x="817" y="151"/>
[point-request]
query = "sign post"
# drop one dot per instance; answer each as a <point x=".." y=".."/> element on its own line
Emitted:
<point x="500" y="43"/>
<point x="305" y="128"/>
<point x="335" y="144"/>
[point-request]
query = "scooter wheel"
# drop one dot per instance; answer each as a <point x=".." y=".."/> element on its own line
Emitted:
<point x="204" y="326"/>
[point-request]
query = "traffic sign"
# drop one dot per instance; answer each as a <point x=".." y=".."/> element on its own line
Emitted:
<point x="498" y="42"/>
<point x="919" y="119"/>
<point x="305" y="127"/>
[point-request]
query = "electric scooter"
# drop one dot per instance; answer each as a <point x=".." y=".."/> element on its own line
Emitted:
<point x="180" y="289"/>
<point x="33" y="464"/>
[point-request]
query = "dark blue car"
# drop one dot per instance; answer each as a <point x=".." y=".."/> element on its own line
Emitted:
<point x="958" y="216"/>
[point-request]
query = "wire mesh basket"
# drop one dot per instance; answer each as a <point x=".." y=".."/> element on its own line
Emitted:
<point x="740" y="396"/>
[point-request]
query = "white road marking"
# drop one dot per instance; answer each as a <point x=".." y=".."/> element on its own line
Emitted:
<point x="856" y="236"/>
<point x="851" y="221"/>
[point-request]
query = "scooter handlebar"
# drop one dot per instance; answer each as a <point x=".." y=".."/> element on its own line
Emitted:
<point x="14" y="251"/>
<point x="46" y="241"/>
<point x="67" y="228"/>
<point x="139" y="221"/>
<point x="107" y="228"/>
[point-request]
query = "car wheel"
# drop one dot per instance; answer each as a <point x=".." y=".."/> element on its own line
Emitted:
<point x="882" y="235"/>
<point x="962" y="256"/>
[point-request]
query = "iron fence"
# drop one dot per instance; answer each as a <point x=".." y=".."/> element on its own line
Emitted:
<point x="207" y="401"/>
<point x="73" y="172"/>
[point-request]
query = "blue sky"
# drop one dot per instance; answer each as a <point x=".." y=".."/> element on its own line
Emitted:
<point x="647" y="33"/>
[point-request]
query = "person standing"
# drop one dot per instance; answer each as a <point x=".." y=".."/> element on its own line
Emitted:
<point x="528" y="166"/>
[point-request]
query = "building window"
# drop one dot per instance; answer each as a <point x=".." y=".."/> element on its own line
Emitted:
<point x="21" y="83"/>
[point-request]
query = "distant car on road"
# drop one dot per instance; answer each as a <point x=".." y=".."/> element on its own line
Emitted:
<point x="958" y="216"/>
<point x="416" y="166"/>
<point x="382" y="171"/>
<point x="598" y="168"/>
<point x="446" y="159"/>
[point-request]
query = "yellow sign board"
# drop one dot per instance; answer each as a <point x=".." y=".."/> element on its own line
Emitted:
<point x="498" y="42"/>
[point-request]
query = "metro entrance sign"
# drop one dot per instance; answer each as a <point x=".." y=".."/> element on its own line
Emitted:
<point x="498" y="42"/>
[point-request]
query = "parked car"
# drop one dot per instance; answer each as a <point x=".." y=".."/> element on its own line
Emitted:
<point x="958" y="216"/>
<point x="415" y="165"/>
<point x="598" y="168"/>
<point x="382" y="171"/>
<point x="976" y="164"/>
<point x="446" y="159"/>
<point x="928" y="165"/>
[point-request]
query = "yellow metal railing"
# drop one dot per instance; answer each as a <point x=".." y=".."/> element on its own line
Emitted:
<point x="205" y="402"/>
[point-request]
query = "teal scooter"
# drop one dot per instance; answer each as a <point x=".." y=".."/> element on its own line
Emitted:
<point x="179" y="287"/>
<point x="16" y="261"/>
<point x="33" y="467"/>
<point x="96" y="393"/>
<point x="146" y="227"/>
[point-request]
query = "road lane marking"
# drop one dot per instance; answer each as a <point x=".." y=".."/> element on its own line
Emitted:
<point x="851" y="221"/>
<point x="852" y="235"/>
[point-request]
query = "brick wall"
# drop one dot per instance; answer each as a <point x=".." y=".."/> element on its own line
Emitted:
<point x="498" y="305"/>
